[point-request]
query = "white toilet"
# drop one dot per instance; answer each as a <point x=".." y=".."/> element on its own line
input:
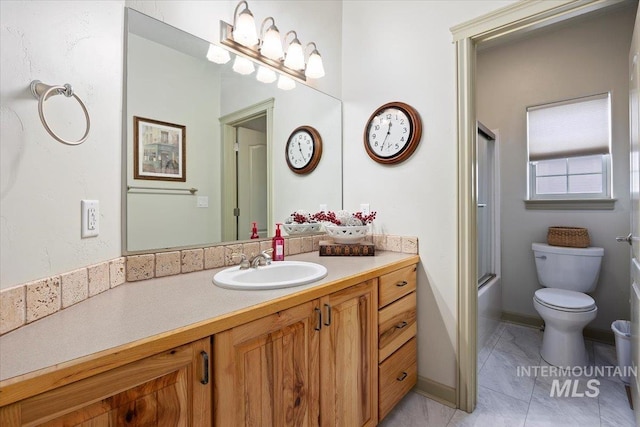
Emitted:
<point x="565" y="273"/>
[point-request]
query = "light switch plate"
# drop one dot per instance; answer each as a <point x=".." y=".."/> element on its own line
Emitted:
<point x="203" y="201"/>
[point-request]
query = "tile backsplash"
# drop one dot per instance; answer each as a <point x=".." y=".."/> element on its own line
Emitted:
<point x="32" y="301"/>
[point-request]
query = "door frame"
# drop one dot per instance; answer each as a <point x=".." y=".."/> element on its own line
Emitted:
<point x="228" y="124"/>
<point x="520" y="18"/>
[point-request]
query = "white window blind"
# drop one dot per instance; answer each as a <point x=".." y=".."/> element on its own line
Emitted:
<point x="577" y="127"/>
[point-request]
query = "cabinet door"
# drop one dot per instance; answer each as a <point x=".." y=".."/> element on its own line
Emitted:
<point x="266" y="371"/>
<point x="163" y="390"/>
<point x="348" y="358"/>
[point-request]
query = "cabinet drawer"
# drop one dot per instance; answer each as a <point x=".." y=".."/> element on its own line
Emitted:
<point x="396" y="325"/>
<point x="396" y="284"/>
<point x="397" y="375"/>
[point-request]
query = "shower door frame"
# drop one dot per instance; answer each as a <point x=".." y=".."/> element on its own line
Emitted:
<point x="519" y="17"/>
<point x="494" y="198"/>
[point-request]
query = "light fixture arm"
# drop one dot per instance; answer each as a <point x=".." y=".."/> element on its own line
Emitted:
<point x="235" y="12"/>
<point x="315" y="48"/>
<point x="273" y="25"/>
<point x="295" y="37"/>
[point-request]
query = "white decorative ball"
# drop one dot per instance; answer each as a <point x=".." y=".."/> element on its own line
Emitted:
<point x="353" y="221"/>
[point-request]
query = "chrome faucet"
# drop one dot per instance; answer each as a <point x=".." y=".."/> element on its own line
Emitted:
<point x="263" y="258"/>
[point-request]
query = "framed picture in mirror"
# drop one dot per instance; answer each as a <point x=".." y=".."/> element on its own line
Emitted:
<point x="159" y="151"/>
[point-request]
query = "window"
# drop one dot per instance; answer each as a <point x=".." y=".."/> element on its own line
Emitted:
<point x="569" y="149"/>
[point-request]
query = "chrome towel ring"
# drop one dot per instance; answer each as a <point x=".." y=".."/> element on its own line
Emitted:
<point x="42" y="92"/>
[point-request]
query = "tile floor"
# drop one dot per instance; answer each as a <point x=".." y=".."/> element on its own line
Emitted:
<point x="509" y="400"/>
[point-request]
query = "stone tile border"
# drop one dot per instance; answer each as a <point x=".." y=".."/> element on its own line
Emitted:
<point x="32" y="301"/>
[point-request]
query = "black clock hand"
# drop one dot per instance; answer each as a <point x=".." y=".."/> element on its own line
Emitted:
<point x="386" y="136"/>
<point x="301" y="153"/>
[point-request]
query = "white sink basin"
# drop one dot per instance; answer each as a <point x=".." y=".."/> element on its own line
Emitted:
<point x="280" y="274"/>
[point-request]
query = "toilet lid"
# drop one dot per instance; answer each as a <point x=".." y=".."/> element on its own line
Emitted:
<point x="565" y="300"/>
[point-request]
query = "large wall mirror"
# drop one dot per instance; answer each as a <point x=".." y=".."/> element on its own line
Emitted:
<point x="235" y="131"/>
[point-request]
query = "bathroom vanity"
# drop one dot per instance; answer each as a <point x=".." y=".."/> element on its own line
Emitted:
<point x="179" y="350"/>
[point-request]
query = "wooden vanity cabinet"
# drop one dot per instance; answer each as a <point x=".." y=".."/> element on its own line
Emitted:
<point x="348" y="377"/>
<point x="397" y="328"/>
<point x="266" y="370"/>
<point x="168" y="389"/>
<point x="341" y="359"/>
<point x="313" y="364"/>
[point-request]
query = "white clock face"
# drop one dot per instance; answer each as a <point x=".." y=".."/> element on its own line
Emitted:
<point x="389" y="132"/>
<point x="300" y="149"/>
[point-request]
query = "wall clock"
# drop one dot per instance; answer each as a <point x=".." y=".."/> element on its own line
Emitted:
<point x="303" y="150"/>
<point x="392" y="133"/>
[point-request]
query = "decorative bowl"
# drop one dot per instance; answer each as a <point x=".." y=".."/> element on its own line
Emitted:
<point x="347" y="234"/>
<point x="297" y="229"/>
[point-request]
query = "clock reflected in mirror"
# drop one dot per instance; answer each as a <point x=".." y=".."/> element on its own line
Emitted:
<point x="392" y="133"/>
<point x="303" y="150"/>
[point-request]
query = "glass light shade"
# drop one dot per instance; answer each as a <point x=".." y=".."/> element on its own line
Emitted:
<point x="272" y="45"/>
<point x="265" y="75"/>
<point x="286" y="83"/>
<point x="244" y="31"/>
<point x="315" y="69"/>
<point x="295" y="56"/>
<point x="243" y="66"/>
<point x="218" y="55"/>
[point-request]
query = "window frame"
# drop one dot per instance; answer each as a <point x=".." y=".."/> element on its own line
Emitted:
<point x="606" y="182"/>
<point x="533" y="198"/>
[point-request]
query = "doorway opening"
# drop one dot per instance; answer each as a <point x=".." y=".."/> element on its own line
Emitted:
<point x="513" y="20"/>
<point x="246" y="172"/>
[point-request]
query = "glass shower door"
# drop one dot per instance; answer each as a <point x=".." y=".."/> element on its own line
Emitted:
<point x="485" y="213"/>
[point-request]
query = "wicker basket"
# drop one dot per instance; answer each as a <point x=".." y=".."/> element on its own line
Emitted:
<point x="573" y="237"/>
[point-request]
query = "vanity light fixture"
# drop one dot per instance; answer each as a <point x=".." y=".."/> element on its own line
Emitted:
<point x="266" y="75"/>
<point x="244" y="26"/>
<point x="271" y="45"/>
<point x="218" y="55"/>
<point x="286" y="83"/>
<point x="314" y="69"/>
<point x="242" y="65"/>
<point x="242" y="39"/>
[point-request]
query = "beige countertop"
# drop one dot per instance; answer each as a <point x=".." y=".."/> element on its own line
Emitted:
<point x="185" y="305"/>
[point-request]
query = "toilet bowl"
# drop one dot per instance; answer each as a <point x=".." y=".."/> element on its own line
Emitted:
<point x="565" y="315"/>
<point x="566" y="274"/>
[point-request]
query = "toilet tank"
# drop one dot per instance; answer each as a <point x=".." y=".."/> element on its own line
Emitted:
<point x="573" y="269"/>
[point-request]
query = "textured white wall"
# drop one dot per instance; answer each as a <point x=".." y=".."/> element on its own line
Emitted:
<point x="402" y="51"/>
<point x="584" y="58"/>
<point x="42" y="181"/>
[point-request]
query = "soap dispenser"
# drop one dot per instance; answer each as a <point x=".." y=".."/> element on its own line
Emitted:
<point x="278" y="245"/>
<point x="254" y="231"/>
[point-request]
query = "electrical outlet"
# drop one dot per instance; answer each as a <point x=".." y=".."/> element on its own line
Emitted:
<point x="364" y="208"/>
<point x="90" y="220"/>
<point x="323" y="207"/>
